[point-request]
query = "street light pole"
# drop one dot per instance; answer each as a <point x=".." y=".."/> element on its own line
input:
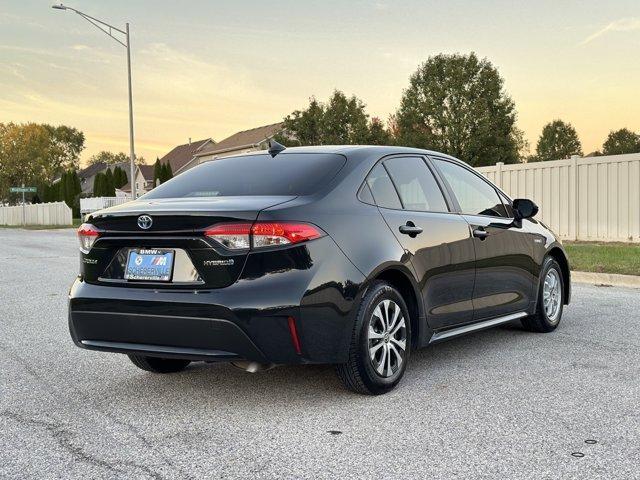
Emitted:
<point x="108" y="29"/>
<point x="132" y="154"/>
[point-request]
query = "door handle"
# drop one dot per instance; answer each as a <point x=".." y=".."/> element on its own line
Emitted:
<point x="410" y="229"/>
<point x="480" y="233"/>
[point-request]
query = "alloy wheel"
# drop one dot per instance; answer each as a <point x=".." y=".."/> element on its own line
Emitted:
<point x="387" y="338"/>
<point x="552" y="295"/>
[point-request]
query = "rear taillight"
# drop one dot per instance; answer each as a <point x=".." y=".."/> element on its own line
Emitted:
<point x="234" y="236"/>
<point x="275" y="234"/>
<point x="242" y="236"/>
<point x="87" y="235"/>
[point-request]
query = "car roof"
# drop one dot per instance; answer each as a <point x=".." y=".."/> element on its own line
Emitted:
<point x="361" y="151"/>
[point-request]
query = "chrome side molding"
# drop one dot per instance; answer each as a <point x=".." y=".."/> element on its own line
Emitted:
<point x="492" y="322"/>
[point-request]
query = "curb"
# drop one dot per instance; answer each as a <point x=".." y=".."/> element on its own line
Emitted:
<point x="613" y="279"/>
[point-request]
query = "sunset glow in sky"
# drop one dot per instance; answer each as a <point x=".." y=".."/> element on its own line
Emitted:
<point x="210" y="68"/>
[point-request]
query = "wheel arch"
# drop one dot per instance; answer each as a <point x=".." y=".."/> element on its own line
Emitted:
<point x="401" y="280"/>
<point x="561" y="257"/>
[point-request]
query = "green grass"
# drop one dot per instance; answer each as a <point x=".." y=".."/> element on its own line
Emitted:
<point x="76" y="223"/>
<point x="621" y="258"/>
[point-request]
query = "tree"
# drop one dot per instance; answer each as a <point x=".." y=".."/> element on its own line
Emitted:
<point x="157" y="171"/>
<point x="108" y="186"/>
<point x="119" y="177"/>
<point x="68" y="144"/>
<point x="109" y="158"/>
<point x="342" y="120"/>
<point x="558" y="140"/>
<point x="98" y="181"/>
<point x="163" y="173"/>
<point x="36" y="154"/>
<point x="621" y="141"/>
<point x="168" y="172"/>
<point x="456" y="104"/>
<point x="378" y="134"/>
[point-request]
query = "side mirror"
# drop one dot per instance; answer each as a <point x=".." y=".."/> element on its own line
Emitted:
<point x="524" y="208"/>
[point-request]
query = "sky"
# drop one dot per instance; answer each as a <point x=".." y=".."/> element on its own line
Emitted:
<point x="206" y="69"/>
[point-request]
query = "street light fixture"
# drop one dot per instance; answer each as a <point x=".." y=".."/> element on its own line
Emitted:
<point x="109" y="30"/>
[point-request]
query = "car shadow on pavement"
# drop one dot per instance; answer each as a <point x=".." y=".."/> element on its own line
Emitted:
<point x="221" y="383"/>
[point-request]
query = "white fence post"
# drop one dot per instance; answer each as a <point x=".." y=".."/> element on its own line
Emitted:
<point x="574" y="195"/>
<point x="499" y="166"/>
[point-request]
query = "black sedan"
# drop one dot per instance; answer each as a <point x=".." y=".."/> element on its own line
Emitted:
<point x="348" y="255"/>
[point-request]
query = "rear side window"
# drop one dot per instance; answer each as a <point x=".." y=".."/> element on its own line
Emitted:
<point x="475" y="195"/>
<point x="416" y="185"/>
<point x="382" y="188"/>
<point x="284" y="174"/>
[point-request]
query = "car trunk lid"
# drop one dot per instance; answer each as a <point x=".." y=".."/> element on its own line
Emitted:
<point x="171" y="225"/>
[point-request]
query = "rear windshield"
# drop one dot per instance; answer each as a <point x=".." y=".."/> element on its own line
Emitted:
<point x="285" y="174"/>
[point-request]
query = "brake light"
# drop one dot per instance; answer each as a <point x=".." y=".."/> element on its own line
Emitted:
<point x="238" y="236"/>
<point x="87" y="235"/>
<point x="234" y="236"/>
<point x="274" y="234"/>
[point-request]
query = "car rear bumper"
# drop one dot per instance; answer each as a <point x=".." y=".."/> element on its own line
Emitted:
<point x="316" y="285"/>
<point x="195" y="338"/>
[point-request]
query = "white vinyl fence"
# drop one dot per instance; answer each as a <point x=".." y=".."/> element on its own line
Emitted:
<point x="594" y="198"/>
<point x="90" y="205"/>
<point x="56" y="213"/>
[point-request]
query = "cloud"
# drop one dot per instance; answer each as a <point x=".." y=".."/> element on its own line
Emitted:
<point x="622" y="25"/>
<point x="12" y="19"/>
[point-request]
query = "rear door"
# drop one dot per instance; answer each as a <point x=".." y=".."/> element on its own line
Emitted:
<point x="415" y="207"/>
<point x="504" y="263"/>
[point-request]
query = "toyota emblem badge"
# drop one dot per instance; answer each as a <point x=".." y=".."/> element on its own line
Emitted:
<point x="145" y="222"/>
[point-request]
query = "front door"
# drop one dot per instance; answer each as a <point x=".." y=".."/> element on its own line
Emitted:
<point x="438" y="241"/>
<point x="504" y="251"/>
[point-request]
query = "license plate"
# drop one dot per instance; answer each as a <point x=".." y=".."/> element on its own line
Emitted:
<point x="149" y="264"/>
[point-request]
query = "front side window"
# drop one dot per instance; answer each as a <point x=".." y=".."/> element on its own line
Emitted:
<point x="382" y="188"/>
<point x="475" y="195"/>
<point x="416" y="185"/>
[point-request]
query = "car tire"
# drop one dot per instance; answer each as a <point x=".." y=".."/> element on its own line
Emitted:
<point x="551" y="295"/>
<point x="377" y="361"/>
<point x="159" y="365"/>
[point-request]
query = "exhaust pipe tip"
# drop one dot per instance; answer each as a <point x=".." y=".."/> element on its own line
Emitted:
<point x="252" y="367"/>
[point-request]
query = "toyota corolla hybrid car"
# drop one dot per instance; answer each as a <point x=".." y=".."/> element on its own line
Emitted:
<point x="345" y="255"/>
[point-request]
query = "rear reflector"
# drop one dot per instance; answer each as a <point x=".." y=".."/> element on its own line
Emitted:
<point x="238" y="236"/>
<point x="294" y="335"/>
<point x="87" y="235"/>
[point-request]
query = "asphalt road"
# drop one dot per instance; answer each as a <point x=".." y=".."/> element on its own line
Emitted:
<point x="498" y="404"/>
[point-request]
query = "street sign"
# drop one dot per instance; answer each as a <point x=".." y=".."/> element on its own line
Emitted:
<point x="23" y="189"/>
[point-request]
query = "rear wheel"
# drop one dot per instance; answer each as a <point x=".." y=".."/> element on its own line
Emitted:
<point x="159" y="365"/>
<point x="380" y="343"/>
<point x="550" y="299"/>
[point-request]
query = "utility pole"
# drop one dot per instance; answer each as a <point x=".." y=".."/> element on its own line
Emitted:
<point x="108" y="29"/>
<point x="24" y="213"/>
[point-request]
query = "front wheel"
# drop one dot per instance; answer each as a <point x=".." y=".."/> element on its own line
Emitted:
<point x="159" y="365"/>
<point x="550" y="299"/>
<point x="380" y="343"/>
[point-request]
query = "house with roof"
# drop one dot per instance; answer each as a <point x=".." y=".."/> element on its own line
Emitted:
<point x="87" y="175"/>
<point x="240" y="142"/>
<point x="183" y="154"/>
<point x="144" y="182"/>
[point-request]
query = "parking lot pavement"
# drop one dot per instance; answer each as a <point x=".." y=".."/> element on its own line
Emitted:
<point x="498" y="404"/>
